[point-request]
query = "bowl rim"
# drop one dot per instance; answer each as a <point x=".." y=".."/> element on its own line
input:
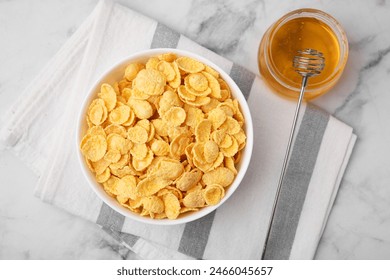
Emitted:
<point x="97" y="188"/>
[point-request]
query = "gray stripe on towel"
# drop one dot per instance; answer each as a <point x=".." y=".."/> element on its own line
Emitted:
<point x="109" y="218"/>
<point x="243" y="78"/>
<point x="164" y="37"/>
<point x="196" y="234"/>
<point x="296" y="182"/>
<point x="130" y="239"/>
<point x="122" y="237"/>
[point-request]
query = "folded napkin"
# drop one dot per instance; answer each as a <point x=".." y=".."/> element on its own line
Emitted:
<point x="40" y="129"/>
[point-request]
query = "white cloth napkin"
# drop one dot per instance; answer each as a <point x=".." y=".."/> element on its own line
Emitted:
<point x="40" y="129"/>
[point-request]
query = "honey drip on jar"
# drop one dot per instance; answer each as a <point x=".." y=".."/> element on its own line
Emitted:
<point x="302" y="33"/>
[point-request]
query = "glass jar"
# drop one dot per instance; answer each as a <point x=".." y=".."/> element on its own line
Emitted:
<point x="300" y="29"/>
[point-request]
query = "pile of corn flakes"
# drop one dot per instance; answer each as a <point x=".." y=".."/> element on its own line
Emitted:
<point x="165" y="139"/>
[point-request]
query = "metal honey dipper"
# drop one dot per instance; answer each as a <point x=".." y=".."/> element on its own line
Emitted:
<point x="307" y="63"/>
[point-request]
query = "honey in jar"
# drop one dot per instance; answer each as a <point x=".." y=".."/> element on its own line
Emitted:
<point x="302" y="29"/>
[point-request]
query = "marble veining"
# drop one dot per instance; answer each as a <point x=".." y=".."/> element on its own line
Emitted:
<point x="377" y="58"/>
<point x="359" y="224"/>
<point x="209" y="27"/>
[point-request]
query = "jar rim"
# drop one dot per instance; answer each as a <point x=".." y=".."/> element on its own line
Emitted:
<point x="327" y="19"/>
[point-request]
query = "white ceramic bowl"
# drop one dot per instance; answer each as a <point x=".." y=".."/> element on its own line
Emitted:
<point x="114" y="74"/>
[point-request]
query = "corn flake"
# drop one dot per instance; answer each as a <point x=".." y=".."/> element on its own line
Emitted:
<point x="120" y="114"/>
<point x="175" y="83"/>
<point x="152" y="63"/>
<point x="151" y="185"/>
<point x="189" y="65"/>
<point x="203" y="131"/>
<point x="127" y="187"/>
<point x="101" y="178"/>
<point x="100" y="166"/>
<point x="167" y="168"/>
<point x="213" y="194"/>
<point x="178" y="145"/>
<point x="232" y="149"/>
<point x="217" y="116"/>
<point x="197" y="81"/>
<point x="171" y="206"/>
<point x="94" y="148"/>
<point x="185" y="95"/>
<point x="229" y="163"/>
<point x="112" y="156"/>
<point x="188" y="179"/>
<point x="175" y="116"/>
<point x="194" y="199"/>
<point x="139" y="151"/>
<point x="231" y="125"/>
<point x="168" y="57"/>
<point x="161" y="127"/>
<point x="97" y="112"/>
<point x="116" y="142"/>
<point x="199" y="101"/>
<point x="150" y="81"/>
<point x="167" y="69"/>
<point x="123" y="172"/>
<point x="221" y="176"/>
<point x="194" y="117"/>
<point x="108" y="94"/>
<point x="142" y="164"/>
<point x="210" y="106"/>
<point x="160" y="147"/>
<point x="132" y="70"/>
<point x="211" y="71"/>
<point x="168" y="100"/>
<point x="211" y="151"/>
<point x="137" y="134"/>
<point x="213" y="85"/>
<point x="153" y="204"/>
<point x="175" y="192"/>
<point x="117" y="129"/>
<point x="142" y="108"/>
<point x="123" y="161"/>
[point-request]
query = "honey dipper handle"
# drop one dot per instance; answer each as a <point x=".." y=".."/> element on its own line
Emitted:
<point x="286" y="159"/>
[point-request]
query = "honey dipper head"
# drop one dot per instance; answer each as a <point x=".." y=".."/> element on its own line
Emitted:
<point x="309" y="62"/>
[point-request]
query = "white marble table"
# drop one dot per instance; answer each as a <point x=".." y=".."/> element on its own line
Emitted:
<point x="359" y="224"/>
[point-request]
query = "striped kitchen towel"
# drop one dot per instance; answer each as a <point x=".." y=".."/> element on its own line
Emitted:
<point x="40" y="129"/>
